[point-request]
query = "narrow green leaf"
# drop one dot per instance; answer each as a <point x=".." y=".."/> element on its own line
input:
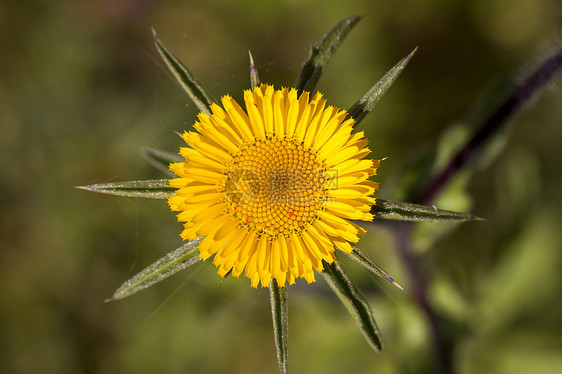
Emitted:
<point x="368" y="263"/>
<point x="354" y="301"/>
<point x="322" y="52"/>
<point x="177" y="260"/>
<point x="160" y="159"/>
<point x="200" y="97"/>
<point x="279" y="312"/>
<point x="254" y="76"/>
<point x="152" y="189"/>
<point x="362" y="107"/>
<point x="402" y="211"/>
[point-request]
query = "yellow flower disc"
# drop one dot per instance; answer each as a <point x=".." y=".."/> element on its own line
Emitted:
<point x="272" y="188"/>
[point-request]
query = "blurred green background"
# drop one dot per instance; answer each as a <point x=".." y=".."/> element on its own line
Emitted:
<point x="82" y="90"/>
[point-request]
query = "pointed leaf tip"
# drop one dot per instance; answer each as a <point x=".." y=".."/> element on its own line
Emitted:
<point x="366" y="104"/>
<point x="187" y="81"/>
<point x="179" y="259"/>
<point x="251" y="58"/>
<point x="322" y="51"/>
<point x="370" y="265"/>
<point x="254" y="76"/>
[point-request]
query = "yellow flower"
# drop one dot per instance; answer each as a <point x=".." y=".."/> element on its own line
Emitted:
<point x="272" y="188"/>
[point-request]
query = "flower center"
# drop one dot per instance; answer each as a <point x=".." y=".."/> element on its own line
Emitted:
<point x="275" y="186"/>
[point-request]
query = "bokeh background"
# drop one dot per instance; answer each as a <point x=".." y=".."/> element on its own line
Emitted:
<point x="82" y="90"/>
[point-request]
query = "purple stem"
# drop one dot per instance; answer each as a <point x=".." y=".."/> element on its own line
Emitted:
<point x="520" y="95"/>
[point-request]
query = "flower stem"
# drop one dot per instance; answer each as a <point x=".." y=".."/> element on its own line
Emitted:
<point x="521" y="95"/>
<point x="442" y="349"/>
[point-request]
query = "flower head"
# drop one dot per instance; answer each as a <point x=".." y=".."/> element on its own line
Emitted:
<point x="272" y="188"/>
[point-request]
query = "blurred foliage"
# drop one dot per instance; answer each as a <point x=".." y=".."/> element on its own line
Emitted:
<point x="82" y="89"/>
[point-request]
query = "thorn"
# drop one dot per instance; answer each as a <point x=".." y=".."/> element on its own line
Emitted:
<point x="254" y="76"/>
<point x="87" y="188"/>
<point x="252" y="64"/>
<point x="154" y="34"/>
<point x="109" y="299"/>
<point x="414" y="51"/>
<point x="397" y="285"/>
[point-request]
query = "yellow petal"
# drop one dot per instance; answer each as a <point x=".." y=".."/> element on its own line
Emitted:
<point x="238" y="117"/>
<point x="256" y="121"/>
